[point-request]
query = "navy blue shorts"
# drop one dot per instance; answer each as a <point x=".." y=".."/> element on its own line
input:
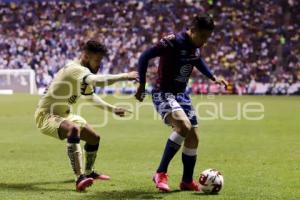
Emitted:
<point x="166" y="103"/>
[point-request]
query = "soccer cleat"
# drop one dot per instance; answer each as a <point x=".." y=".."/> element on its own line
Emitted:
<point x="161" y="182"/>
<point x="94" y="175"/>
<point x="83" y="182"/>
<point x="192" y="186"/>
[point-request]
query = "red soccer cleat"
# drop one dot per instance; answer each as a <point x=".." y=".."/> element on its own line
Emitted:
<point x="192" y="186"/>
<point x="83" y="182"/>
<point x="94" y="175"/>
<point x="161" y="182"/>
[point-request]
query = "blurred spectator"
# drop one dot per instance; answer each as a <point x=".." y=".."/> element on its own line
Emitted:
<point x="254" y="41"/>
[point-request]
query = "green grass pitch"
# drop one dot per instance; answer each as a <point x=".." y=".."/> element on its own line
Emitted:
<point x="259" y="159"/>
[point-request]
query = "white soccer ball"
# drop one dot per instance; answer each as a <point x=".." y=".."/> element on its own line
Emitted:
<point x="211" y="181"/>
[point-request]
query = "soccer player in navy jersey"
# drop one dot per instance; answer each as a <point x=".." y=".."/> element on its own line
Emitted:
<point x="178" y="55"/>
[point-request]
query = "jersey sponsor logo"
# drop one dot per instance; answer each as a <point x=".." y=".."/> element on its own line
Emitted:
<point x="184" y="73"/>
<point x="72" y="99"/>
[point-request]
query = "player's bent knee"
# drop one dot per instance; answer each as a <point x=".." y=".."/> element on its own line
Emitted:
<point x="67" y="128"/>
<point x="74" y="131"/>
<point x="97" y="139"/>
<point x="90" y="136"/>
<point x="74" y="134"/>
<point x="183" y="128"/>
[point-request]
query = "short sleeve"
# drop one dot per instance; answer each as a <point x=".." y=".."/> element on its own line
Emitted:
<point x="86" y="89"/>
<point x="78" y="74"/>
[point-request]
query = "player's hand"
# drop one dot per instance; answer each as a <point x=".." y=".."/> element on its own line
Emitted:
<point x="221" y="81"/>
<point x="120" y="111"/>
<point x="140" y="93"/>
<point x="132" y="76"/>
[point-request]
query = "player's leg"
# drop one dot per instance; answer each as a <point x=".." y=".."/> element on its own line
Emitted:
<point x="189" y="155"/>
<point x="181" y="127"/>
<point x="189" y="150"/>
<point x="189" y="158"/>
<point x="71" y="132"/>
<point x="173" y="115"/>
<point x="62" y="128"/>
<point x="92" y="139"/>
<point x="91" y="147"/>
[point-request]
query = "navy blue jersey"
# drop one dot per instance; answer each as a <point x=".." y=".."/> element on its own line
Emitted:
<point x="177" y="59"/>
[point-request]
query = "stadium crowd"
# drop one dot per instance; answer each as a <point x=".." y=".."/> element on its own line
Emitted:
<point x="255" y="44"/>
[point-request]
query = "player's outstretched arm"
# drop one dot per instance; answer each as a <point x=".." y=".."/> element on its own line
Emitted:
<point x="100" y="103"/>
<point x="103" y="80"/>
<point x="142" y="69"/>
<point x="221" y="81"/>
<point x="202" y="67"/>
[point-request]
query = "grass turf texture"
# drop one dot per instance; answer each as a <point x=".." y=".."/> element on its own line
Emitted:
<point x="259" y="159"/>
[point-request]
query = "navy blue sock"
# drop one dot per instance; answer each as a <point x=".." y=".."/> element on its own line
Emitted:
<point x="188" y="167"/>
<point x="90" y="147"/>
<point x="90" y="157"/>
<point x="170" y="151"/>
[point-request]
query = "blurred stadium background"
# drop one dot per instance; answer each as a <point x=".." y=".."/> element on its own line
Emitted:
<point x="255" y="45"/>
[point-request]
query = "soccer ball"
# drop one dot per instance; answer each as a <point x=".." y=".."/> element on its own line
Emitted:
<point x="211" y="181"/>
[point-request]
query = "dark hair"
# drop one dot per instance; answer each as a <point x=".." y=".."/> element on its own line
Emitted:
<point x="203" y="22"/>
<point x="94" y="46"/>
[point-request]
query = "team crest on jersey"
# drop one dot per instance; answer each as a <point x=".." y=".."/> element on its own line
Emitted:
<point x="185" y="72"/>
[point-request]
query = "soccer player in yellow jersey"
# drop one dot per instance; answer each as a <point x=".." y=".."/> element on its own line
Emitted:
<point x="54" y="116"/>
